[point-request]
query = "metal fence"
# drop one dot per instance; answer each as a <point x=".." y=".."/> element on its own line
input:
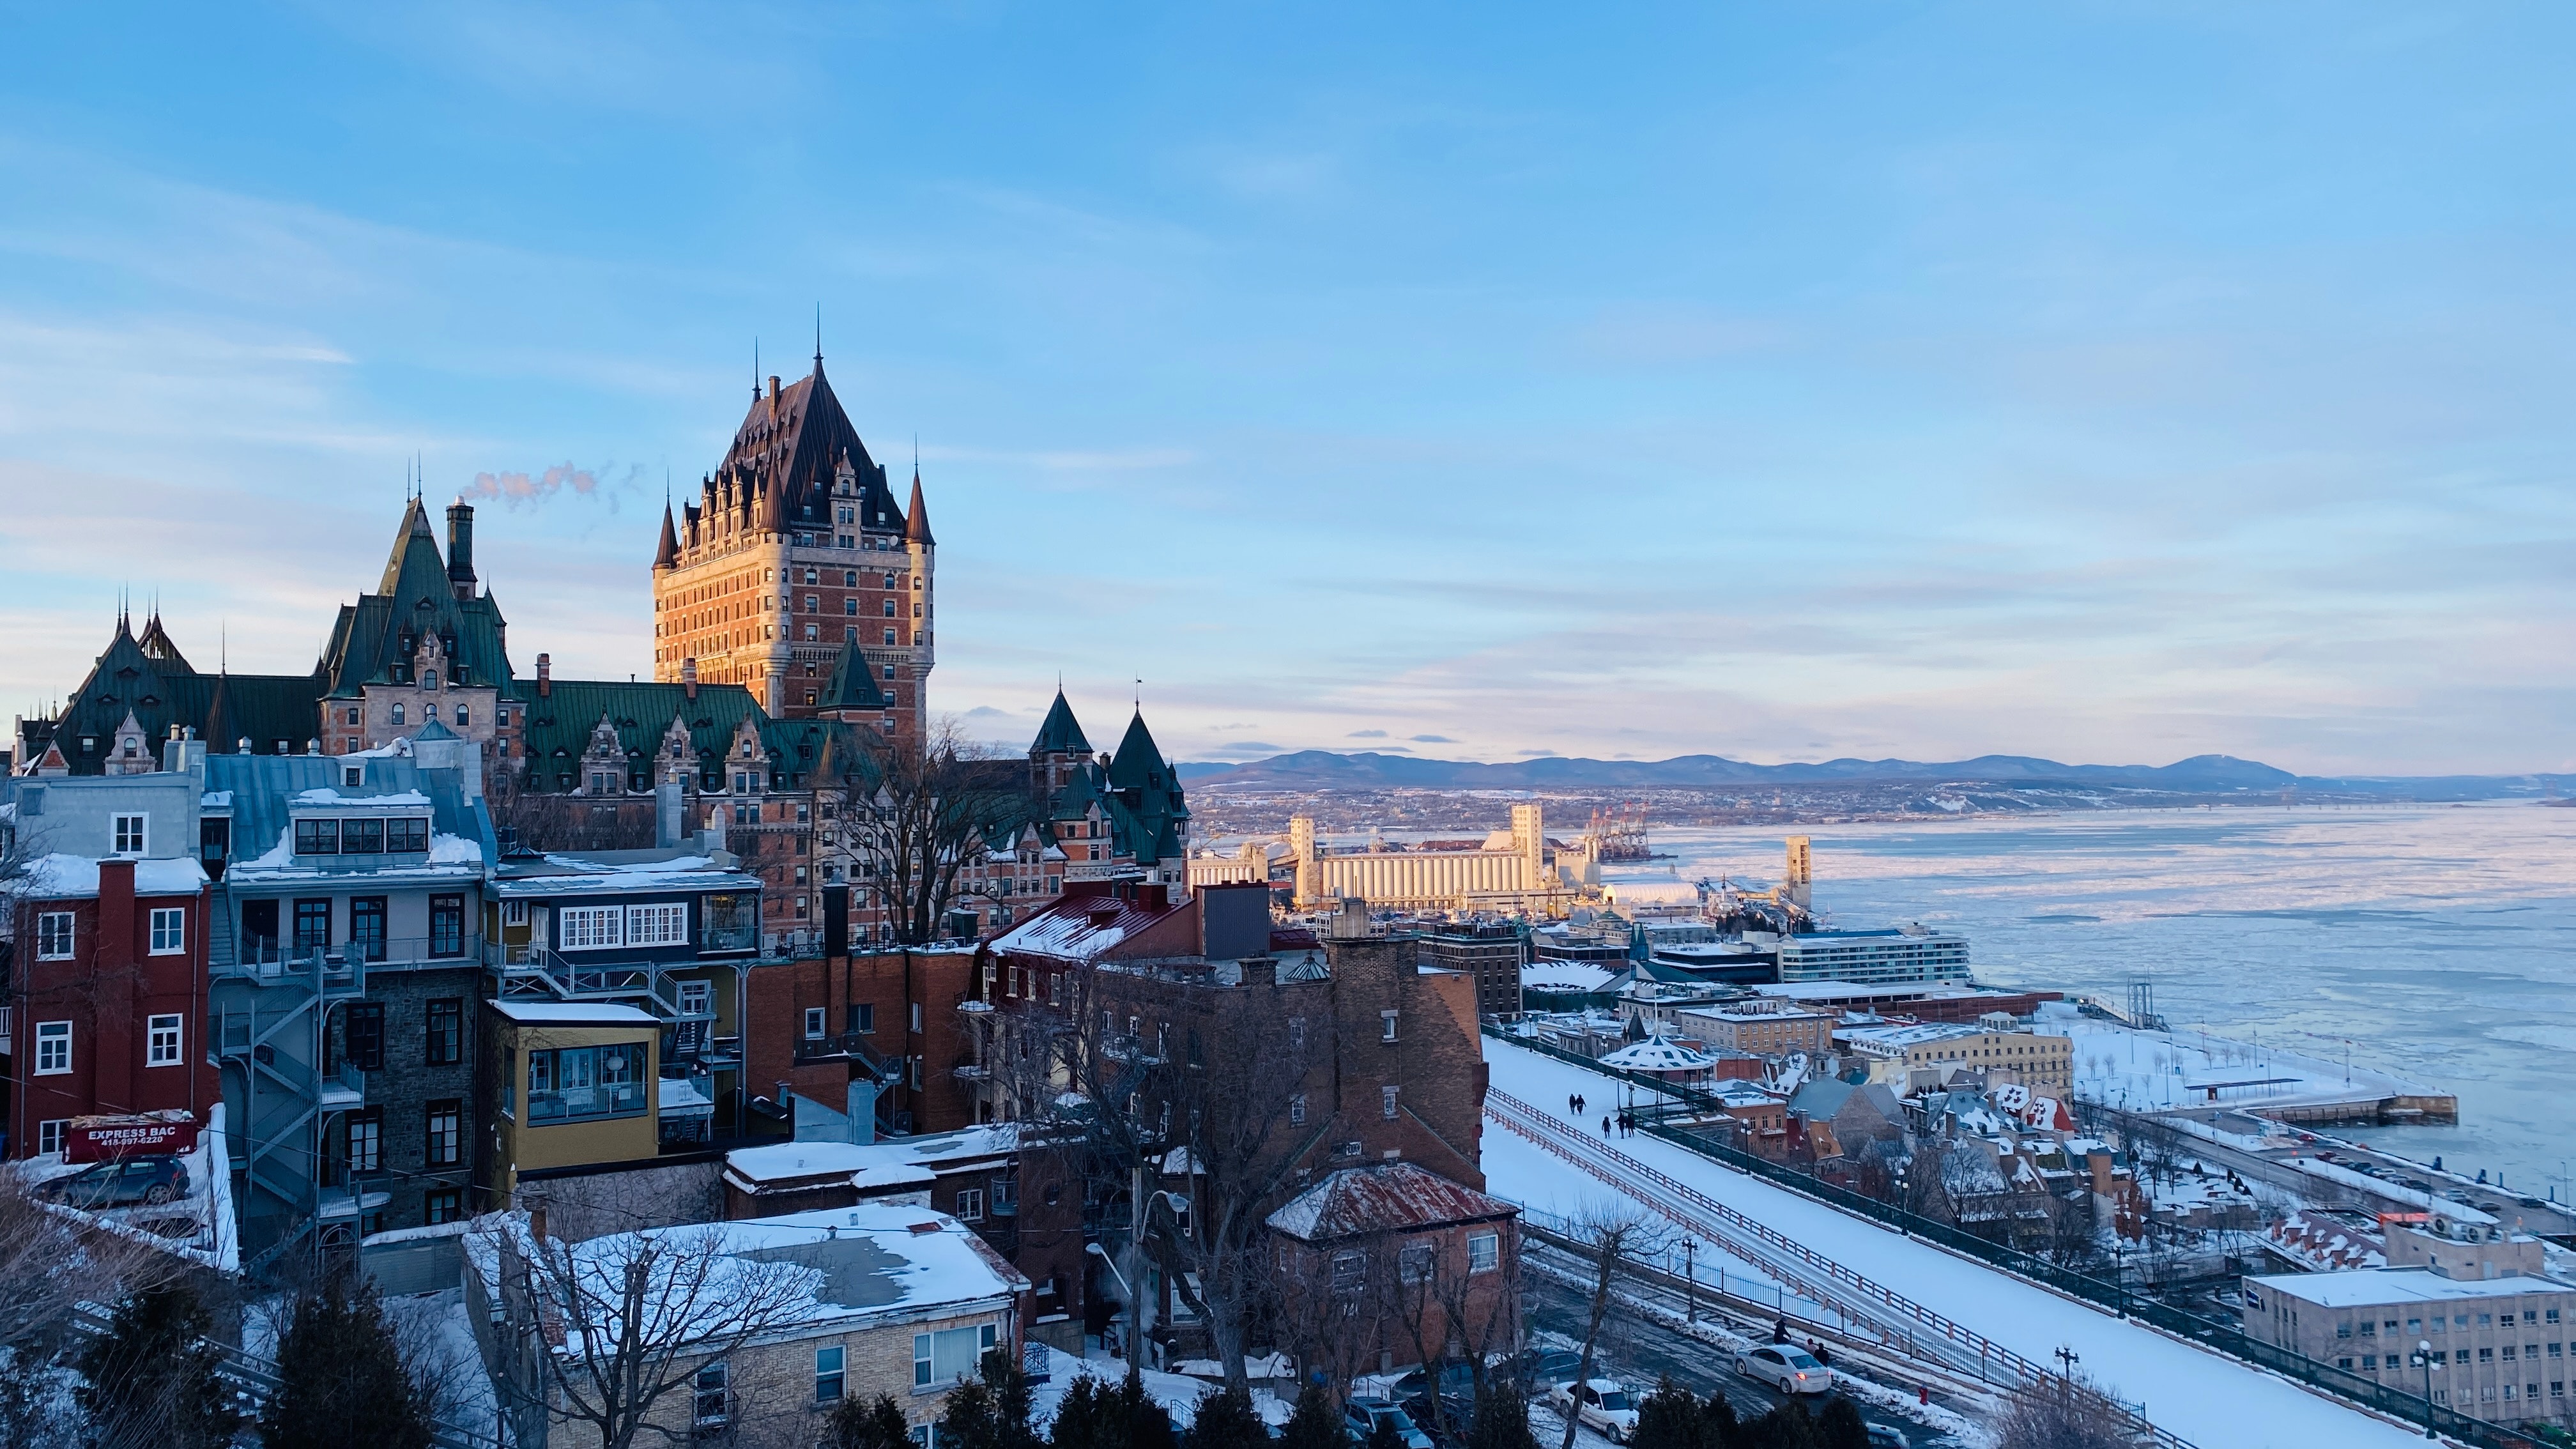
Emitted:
<point x="2216" y="1334"/>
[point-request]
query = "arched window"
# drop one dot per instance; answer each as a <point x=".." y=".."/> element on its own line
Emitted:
<point x="398" y="714"/>
<point x="463" y="718"/>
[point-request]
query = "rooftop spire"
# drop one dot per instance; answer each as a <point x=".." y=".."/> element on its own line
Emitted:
<point x="916" y="522"/>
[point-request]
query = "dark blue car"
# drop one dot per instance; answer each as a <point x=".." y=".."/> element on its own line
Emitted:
<point x="117" y="1184"/>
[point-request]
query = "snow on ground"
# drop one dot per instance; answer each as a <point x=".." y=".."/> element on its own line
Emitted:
<point x="2212" y="1401"/>
<point x="1179" y="1396"/>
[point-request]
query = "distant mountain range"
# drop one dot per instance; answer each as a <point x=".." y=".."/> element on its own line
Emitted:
<point x="2199" y="775"/>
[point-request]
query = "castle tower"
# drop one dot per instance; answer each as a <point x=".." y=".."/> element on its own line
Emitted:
<point x="793" y="549"/>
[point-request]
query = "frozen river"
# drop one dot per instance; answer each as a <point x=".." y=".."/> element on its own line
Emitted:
<point x="2440" y="942"/>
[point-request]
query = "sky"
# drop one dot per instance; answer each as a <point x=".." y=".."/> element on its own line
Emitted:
<point x="2108" y="382"/>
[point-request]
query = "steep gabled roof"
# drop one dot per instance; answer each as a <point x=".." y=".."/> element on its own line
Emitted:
<point x="1060" y="733"/>
<point x="667" y="553"/>
<point x="163" y="693"/>
<point x="1139" y="764"/>
<point x="916" y="526"/>
<point x="414" y="597"/>
<point x="558" y="724"/>
<point x="785" y="452"/>
<point x="853" y="685"/>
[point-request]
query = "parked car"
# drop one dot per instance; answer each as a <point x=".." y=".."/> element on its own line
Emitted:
<point x="1887" y="1436"/>
<point x="1785" y="1367"/>
<point x="1602" y="1405"/>
<point x="1361" y="1417"/>
<point x="116" y="1184"/>
<point x="1539" y="1368"/>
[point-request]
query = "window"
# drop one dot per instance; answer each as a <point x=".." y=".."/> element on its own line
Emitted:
<point x="367" y="927"/>
<point x="445" y="1205"/>
<point x="161" y="1041"/>
<point x="54" y="936"/>
<point x="405" y="836"/>
<point x="949" y="1355"/>
<point x="398" y="718"/>
<point x="827" y="1374"/>
<point x="312" y="925"/>
<point x="429" y="680"/>
<point x="169" y="930"/>
<point x="446" y="1132"/>
<point x="1484" y="1250"/>
<point x="970" y="1204"/>
<point x="129" y="835"/>
<point x="1297" y="1110"/>
<point x="363" y="1037"/>
<point x="916" y="1018"/>
<point x="447" y="925"/>
<point x="317" y="837"/>
<point x="53" y="1048"/>
<point x="1416" y="1261"/>
<point x="464" y="717"/>
<point x="665" y="924"/>
<point x="1386" y="1026"/>
<point x="572" y="1083"/>
<point x="1350" y="1272"/>
<point x="813" y="1023"/>
<point x="366" y="1141"/>
<point x="849" y="606"/>
<point x="889" y="638"/>
<point x="591" y="928"/>
<point x="1386" y="1103"/>
<point x="49" y="1135"/>
<point x="863" y="1017"/>
<point x="697" y="998"/>
<point x="709" y="1403"/>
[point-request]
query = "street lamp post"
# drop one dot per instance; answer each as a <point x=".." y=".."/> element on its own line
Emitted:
<point x="2423" y="1358"/>
<point x="1690" y="1282"/>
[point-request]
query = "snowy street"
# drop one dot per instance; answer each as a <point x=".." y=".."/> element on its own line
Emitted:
<point x="2212" y="1401"/>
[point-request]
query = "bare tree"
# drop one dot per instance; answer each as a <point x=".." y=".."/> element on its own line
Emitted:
<point x="1192" y="1079"/>
<point x="601" y="1332"/>
<point x="49" y="1266"/>
<point x="1610" y="1239"/>
<point x="2068" y="1412"/>
<point x="917" y="815"/>
<point x="1447" y="1308"/>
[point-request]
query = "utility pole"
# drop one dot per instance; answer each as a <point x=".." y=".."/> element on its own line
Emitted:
<point x="1690" y="1283"/>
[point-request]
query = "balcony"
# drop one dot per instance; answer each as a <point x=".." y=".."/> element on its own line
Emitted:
<point x="340" y="969"/>
<point x="344" y="1090"/>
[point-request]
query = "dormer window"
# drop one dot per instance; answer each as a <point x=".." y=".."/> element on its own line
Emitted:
<point x="429" y="679"/>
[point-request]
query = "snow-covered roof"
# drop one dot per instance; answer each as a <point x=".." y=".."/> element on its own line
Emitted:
<point x="1380" y="1198"/>
<point x="75" y="877"/>
<point x="872" y="1263"/>
<point x="618" y="872"/>
<point x="1553" y="975"/>
<point x="680" y="1097"/>
<point x="791" y="1161"/>
<point x="1082" y="928"/>
<point x="326" y="796"/>
<point x="448" y="855"/>
<point x="2360" y="1287"/>
<point x="574" y="1013"/>
<point x="1655" y="1054"/>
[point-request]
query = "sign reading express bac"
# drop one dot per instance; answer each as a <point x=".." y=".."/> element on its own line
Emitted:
<point x="100" y="1139"/>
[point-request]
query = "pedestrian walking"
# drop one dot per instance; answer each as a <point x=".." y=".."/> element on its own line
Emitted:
<point x="1605" y="1128"/>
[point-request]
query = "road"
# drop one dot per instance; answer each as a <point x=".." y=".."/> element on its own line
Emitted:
<point x="1638" y="1351"/>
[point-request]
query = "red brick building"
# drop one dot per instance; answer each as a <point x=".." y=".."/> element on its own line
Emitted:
<point x="889" y="1019"/>
<point x="107" y="994"/>
<point x="1385" y="1266"/>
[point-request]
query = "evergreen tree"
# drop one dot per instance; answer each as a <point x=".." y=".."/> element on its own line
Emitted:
<point x="1724" y="1430"/>
<point x="1786" y="1427"/>
<point x="858" y="1425"/>
<point x="151" y="1380"/>
<point x="1148" y="1427"/>
<point x="1313" y="1424"/>
<point x="1225" y="1420"/>
<point x="1671" y="1418"/>
<point x="1502" y="1419"/>
<point x="340" y="1379"/>
<point x="1089" y="1416"/>
<point x="1840" y="1426"/>
<point x="990" y="1411"/>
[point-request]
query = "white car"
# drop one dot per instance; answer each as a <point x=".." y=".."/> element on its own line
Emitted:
<point x="1787" y="1368"/>
<point x="1603" y="1406"/>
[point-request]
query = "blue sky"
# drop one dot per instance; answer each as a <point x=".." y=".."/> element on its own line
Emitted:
<point x="2108" y="382"/>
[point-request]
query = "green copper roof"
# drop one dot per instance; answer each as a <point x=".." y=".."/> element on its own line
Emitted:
<point x="1061" y="734"/>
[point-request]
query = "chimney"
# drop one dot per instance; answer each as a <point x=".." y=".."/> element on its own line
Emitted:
<point x="545" y="676"/>
<point x="1260" y="971"/>
<point x="460" y="548"/>
<point x="689" y="678"/>
<point x="773" y="395"/>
